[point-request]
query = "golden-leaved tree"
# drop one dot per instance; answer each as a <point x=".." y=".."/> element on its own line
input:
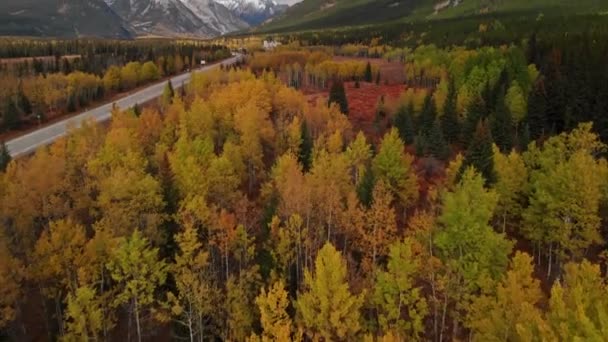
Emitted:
<point x="326" y="308"/>
<point x="138" y="273"/>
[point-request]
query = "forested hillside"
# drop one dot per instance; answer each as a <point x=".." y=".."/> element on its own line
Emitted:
<point x="322" y="14"/>
<point x="261" y="204"/>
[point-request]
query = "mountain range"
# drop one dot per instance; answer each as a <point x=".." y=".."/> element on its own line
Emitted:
<point x="324" y="14"/>
<point x="130" y="18"/>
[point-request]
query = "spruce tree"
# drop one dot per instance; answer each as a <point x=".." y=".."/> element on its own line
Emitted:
<point x="5" y="156"/>
<point x="365" y="188"/>
<point x="404" y="124"/>
<point x="487" y="96"/>
<point x="71" y="107"/>
<point x="524" y="138"/>
<point x="136" y="109"/>
<point x="436" y="145"/>
<point x="502" y="125"/>
<point x="480" y="154"/>
<point x="475" y="112"/>
<point x="600" y="109"/>
<point x="168" y="94"/>
<point x="537" y="112"/>
<point x="11" y="116"/>
<point x="450" y="124"/>
<point x="338" y="95"/>
<point x="427" y="116"/>
<point x="306" y="145"/>
<point x="368" y="73"/>
<point x="22" y="102"/>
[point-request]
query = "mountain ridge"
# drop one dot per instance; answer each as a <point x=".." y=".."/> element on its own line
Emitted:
<point x="323" y="14"/>
<point x="131" y="18"/>
<point x="61" y="18"/>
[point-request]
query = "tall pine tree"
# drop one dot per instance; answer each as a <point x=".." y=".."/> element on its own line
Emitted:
<point x="475" y="112"/>
<point x="404" y="123"/>
<point x="480" y="154"/>
<point x="427" y="116"/>
<point x="502" y="124"/>
<point x="306" y="145"/>
<point x="537" y="111"/>
<point x="5" y="157"/>
<point x="368" y="77"/>
<point x="436" y="145"/>
<point x="450" y="124"/>
<point x="338" y="95"/>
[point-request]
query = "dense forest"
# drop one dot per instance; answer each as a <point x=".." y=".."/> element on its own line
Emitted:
<point x="240" y="210"/>
<point x="41" y="79"/>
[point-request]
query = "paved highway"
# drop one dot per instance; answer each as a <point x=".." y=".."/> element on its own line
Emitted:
<point x="28" y="143"/>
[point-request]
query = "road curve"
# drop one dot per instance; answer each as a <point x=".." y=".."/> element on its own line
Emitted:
<point x="28" y="143"/>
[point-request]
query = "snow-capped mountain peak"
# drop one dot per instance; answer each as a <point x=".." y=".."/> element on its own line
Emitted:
<point x="253" y="12"/>
<point x="257" y="4"/>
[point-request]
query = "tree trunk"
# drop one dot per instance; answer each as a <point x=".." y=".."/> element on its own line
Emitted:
<point x="190" y="324"/>
<point x="59" y="316"/>
<point x="550" y="260"/>
<point x="137" y="321"/>
<point x="443" y="317"/>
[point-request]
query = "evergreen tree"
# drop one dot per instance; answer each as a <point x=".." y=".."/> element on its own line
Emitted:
<point x="404" y="123"/>
<point x="11" y="116"/>
<point x="71" y="104"/>
<point x="427" y="116"/>
<point x="480" y="154"/>
<point x="600" y="111"/>
<point x="436" y="145"/>
<point x="524" y="138"/>
<point x="5" y="156"/>
<point x="502" y="125"/>
<point x="365" y="188"/>
<point x="450" y="124"/>
<point x="22" y="102"/>
<point x="368" y="73"/>
<point x="420" y="145"/>
<point x="306" y="145"/>
<point x="475" y="112"/>
<point x="168" y="94"/>
<point x="487" y="95"/>
<point x="338" y="95"/>
<point x="378" y="78"/>
<point x="136" y="110"/>
<point x="537" y="111"/>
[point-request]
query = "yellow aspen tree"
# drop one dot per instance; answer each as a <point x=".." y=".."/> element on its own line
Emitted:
<point x="59" y="253"/>
<point x="501" y="313"/>
<point x="393" y="166"/>
<point x="12" y="274"/>
<point x="84" y="316"/>
<point x="195" y="294"/>
<point x="326" y="308"/>
<point x="276" y="323"/>
<point x="511" y="179"/>
<point x="401" y="305"/>
<point x="358" y="154"/>
<point x="138" y="273"/>
<point x="380" y="227"/>
<point x="578" y="306"/>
